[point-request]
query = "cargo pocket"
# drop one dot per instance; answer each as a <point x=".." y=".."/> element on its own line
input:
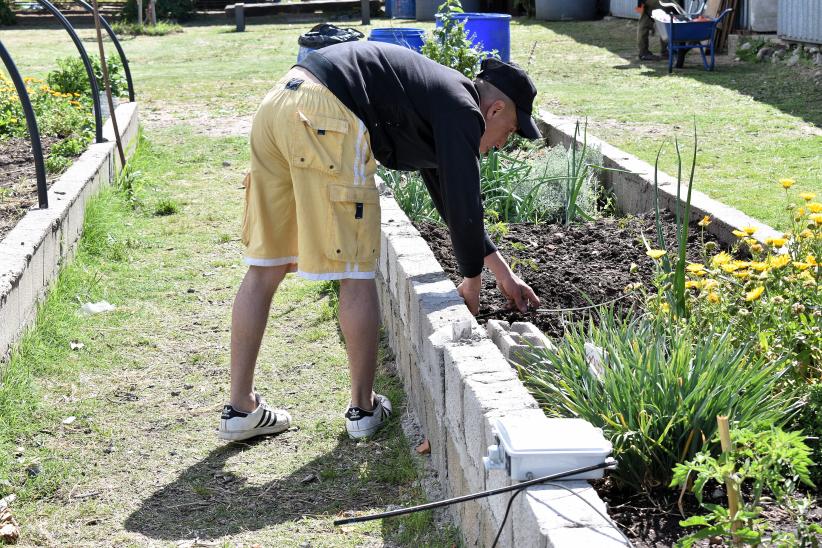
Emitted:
<point x="245" y="233"/>
<point x="354" y="224"/>
<point x="318" y="142"/>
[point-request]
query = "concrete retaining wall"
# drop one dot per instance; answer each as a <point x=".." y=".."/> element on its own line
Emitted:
<point x="458" y="381"/>
<point x="33" y="252"/>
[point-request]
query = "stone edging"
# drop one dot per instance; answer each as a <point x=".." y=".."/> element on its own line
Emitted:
<point x="33" y="252"/>
<point x="458" y="381"/>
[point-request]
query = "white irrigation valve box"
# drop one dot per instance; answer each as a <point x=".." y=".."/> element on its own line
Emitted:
<point x="528" y="451"/>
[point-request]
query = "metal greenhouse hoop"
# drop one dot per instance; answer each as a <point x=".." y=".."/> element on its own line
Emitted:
<point x="31" y="123"/>
<point x="95" y="91"/>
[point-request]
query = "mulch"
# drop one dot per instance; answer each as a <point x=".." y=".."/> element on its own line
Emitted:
<point x="18" y="180"/>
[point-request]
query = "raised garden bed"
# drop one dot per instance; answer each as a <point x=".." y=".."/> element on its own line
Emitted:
<point x="18" y="187"/>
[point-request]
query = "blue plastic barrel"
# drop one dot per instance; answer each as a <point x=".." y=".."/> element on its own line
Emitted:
<point x="490" y="31"/>
<point x="407" y="37"/>
<point x="401" y="9"/>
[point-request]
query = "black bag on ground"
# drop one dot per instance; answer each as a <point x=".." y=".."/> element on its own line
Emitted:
<point x="326" y="34"/>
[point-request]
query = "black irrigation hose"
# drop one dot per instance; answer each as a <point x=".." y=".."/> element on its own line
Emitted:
<point x="608" y="463"/>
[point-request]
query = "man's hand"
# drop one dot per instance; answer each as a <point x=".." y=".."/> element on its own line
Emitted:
<point x="517" y="292"/>
<point x="469" y="290"/>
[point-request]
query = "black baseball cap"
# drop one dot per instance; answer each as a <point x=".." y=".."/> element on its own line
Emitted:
<point x="510" y="79"/>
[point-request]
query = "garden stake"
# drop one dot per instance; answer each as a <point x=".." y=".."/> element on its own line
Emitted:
<point x="733" y="495"/>
<point x="107" y="82"/>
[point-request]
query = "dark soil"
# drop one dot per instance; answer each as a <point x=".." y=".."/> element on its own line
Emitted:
<point x="18" y="181"/>
<point x="651" y="520"/>
<point x="570" y="267"/>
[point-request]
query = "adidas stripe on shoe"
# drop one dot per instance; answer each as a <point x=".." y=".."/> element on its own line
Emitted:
<point x="360" y="423"/>
<point x="236" y="425"/>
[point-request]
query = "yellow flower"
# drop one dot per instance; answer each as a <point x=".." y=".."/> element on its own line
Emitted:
<point x="759" y="266"/>
<point x="706" y="220"/>
<point x="779" y="261"/>
<point x="656" y="253"/>
<point x="739" y="233"/>
<point x="815" y="207"/>
<point x="693" y="284"/>
<point x="776" y="242"/>
<point x="786" y="183"/>
<point x="742" y="264"/>
<point x="720" y="259"/>
<point x="754" y="294"/>
<point x="713" y="297"/>
<point x="807" y="278"/>
<point x="729" y="267"/>
<point x="749" y="230"/>
<point x="811" y="260"/>
<point x="817" y="218"/>
<point x="807" y="196"/>
<point x="695" y="267"/>
<point x="710" y="284"/>
<point x="801" y="266"/>
<point x="665" y="307"/>
<point x="742" y="274"/>
<point x="756" y="248"/>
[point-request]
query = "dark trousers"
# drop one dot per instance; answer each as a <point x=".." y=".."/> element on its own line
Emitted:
<point x="646" y="24"/>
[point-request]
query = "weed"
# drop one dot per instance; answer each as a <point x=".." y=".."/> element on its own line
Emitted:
<point x="166" y="206"/>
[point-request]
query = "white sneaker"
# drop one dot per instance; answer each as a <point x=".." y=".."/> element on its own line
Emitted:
<point x="361" y="423"/>
<point x="236" y="425"/>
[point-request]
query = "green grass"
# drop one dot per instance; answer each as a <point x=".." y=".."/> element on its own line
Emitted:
<point x="140" y="462"/>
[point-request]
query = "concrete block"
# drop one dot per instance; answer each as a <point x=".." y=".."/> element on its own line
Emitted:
<point x="497" y="329"/>
<point x="9" y="314"/>
<point x="432" y="368"/>
<point x="433" y="305"/>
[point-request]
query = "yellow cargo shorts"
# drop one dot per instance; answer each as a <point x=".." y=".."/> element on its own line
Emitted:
<point x="310" y="199"/>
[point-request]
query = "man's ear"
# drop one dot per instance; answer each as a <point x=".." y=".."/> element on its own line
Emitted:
<point x="496" y="107"/>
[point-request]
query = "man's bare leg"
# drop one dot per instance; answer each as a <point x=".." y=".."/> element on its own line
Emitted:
<point x="248" y="320"/>
<point x="359" y="322"/>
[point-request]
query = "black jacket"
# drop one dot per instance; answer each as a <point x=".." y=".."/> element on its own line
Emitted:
<point x="421" y="116"/>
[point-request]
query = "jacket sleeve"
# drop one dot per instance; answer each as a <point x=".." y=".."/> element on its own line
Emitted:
<point x="455" y="189"/>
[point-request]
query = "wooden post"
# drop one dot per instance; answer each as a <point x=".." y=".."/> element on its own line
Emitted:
<point x="733" y="494"/>
<point x="365" y="8"/>
<point x="239" y="17"/>
<point x="107" y="82"/>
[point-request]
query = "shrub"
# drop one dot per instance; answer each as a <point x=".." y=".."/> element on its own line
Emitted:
<point x="160" y="29"/>
<point x="71" y="77"/>
<point x="166" y="206"/>
<point x="7" y="16"/>
<point x="175" y="10"/>
<point x="450" y="46"/>
<point x="58" y="114"/>
<point x="660" y="390"/>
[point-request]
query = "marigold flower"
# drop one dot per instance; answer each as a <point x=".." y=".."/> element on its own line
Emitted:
<point x="693" y="284"/>
<point x="739" y="233"/>
<point x="729" y="267"/>
<point x="713" y="297"/>
<point x="817" y="218"/>
<point x="742" y="274"/>
<point x="779" y="261"/>
<point x="810" y="259"/>
<point x="656" y="253"/>
<point x="815" y="207"/>
<point x="799" y="265"/>
<point x="786" y="183"/>
<point x="759" y="266"/>
<point x="710" y="284"/>
<point x="749" y="230"/>
<point x="720" y="259"/>
<point x="754" y="294"/>
<point x="807" y="196"/>
<point x="776" y="242"/>
<point x="695" y="267"/>
<point x="706" y="220"/>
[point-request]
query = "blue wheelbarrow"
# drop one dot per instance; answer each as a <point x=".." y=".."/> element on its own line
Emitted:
<point x="684" y="32"/>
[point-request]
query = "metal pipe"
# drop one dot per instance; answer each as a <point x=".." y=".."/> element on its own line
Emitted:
<point x="31" y="123"/>
<point x="117" y="45"/>
<point x="95" y="91"/>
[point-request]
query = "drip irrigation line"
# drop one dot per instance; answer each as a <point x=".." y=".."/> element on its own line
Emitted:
<point x="607" y="463"/>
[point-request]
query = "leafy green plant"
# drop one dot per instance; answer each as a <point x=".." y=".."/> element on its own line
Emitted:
<point x="771" y="462"/>
<point x="162" y="28"/>
<point x="810" y="420"/>
<point x="411" y="195"/>
<point x="660" y="392"/>
<point x="166" y="206"/>
<point x="71" y="77"/>
<point x="450" y="46"/>
<point x="58" y="114"/>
